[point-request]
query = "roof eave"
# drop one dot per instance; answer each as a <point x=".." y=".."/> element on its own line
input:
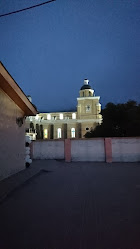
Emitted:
<point x="11" y="88"/>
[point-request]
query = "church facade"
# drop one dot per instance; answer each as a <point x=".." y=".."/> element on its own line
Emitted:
<point x="62" y="125"/>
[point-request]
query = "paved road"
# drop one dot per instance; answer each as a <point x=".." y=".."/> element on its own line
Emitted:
<point x="74" y="206"/>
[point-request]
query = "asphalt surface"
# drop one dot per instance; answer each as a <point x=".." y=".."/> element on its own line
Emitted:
<point x="74" y="206"/>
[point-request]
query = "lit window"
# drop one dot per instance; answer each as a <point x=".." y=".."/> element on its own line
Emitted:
<point x="31" y="119"/>
<point x="61" y="116"/>
<point x="59" y="133"/>
<point x="49" y="116"/>
<point x="73" y="115"/>
<point x="72" y="132"/>
<point x="37" y="117"/>
<point x="45" y="133"/>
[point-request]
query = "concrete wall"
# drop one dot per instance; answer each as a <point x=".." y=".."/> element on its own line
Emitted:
<point x="125" y="149"/>
<point x="95" y="150"/>
<point x="12" y="138"/>
<point x="88" y="150"/>
<point x="48" y="149"/>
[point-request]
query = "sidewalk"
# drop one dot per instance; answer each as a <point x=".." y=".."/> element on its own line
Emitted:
<point x="8" y="185"/>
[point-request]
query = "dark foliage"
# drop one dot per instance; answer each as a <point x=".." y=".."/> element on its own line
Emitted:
<point x="121" y="120"/>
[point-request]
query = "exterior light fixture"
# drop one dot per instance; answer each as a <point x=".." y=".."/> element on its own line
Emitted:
<point x="19" y="121"/>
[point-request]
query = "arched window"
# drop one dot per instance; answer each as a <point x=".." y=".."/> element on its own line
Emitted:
<point x="72" y="132"/>
<point x="45" y="133"/>
<point x="59" y="133"/>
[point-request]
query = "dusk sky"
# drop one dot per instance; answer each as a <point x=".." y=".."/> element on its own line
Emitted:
<point x="49" y="50"/>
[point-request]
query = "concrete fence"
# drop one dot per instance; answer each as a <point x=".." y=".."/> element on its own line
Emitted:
<point x="50" y="149"/>
<point x="125" y="149"/>
<point x="88" y="150"/>
<point x="95" y="150"/>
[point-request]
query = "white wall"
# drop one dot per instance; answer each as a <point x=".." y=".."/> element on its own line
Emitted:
<point x="125" y="149"/>
<point x="48" y="149"/>
<point x="88" y="150"/>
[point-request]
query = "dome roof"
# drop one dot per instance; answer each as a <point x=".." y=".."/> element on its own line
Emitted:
<point x="86" y="87"/>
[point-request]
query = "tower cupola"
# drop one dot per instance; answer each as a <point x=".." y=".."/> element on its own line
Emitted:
<point x="86" y="90"/>
<point x="86" y="85"/>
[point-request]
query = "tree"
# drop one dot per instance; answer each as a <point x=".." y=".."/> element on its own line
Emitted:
<point x="119" y="120"/>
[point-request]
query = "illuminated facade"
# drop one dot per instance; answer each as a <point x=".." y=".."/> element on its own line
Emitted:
<point x="62" y="125"/>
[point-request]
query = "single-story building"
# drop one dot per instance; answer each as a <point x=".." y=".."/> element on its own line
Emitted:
<point x="14" y="107"/>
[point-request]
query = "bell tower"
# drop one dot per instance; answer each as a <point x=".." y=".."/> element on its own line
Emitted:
<point x="88" y="106"/>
